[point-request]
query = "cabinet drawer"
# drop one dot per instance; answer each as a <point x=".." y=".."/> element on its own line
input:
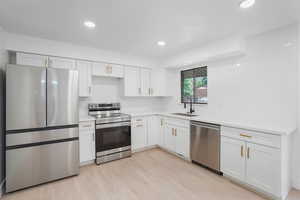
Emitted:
<point x="177" y="122"/>
<point x="138" y="120"/>
<point x="252" y="136"/>
<point x="87" y="126"/>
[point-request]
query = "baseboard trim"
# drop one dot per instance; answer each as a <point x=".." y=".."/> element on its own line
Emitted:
<point x="256" y="190"/>
<point x="144" y="149"/>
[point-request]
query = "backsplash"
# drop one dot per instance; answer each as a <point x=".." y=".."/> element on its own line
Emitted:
<point x="111" y="90"/>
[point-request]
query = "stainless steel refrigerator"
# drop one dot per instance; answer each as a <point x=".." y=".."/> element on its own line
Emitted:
<point x="41" y="125"/>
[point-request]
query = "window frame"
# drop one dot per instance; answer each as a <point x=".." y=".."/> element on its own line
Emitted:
<point x="182" y="83"/>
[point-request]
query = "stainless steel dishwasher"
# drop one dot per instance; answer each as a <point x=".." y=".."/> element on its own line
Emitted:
<point x="205" y="145"/>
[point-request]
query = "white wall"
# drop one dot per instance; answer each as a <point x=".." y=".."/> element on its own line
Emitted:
<point x="296" y="139"/>
<point x="261" y="92"/>
<point x="111" y="90"/>
<point x="16" y="42"/>
<point x="212" y="51"/>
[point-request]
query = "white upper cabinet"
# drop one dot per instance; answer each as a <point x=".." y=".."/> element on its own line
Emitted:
<point x="64" y="63"/>
<point x="159" y="82"/>
<point x="85" y="78"/>
<point x="145" y="82"/>
<point x="109" y="70"/>
<point x="31" y="59"/>
<point x="132" y="81"/>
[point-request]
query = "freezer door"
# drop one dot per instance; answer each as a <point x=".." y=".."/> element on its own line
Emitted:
<point x="25" y="97"/>
<point x="62" y="97"/>
<point x="33" y="165"/>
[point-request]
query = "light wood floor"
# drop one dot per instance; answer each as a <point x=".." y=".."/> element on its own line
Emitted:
<point x="152" y="174"/>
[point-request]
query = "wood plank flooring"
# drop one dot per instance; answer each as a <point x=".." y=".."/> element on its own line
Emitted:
<point x="153" y="174"/>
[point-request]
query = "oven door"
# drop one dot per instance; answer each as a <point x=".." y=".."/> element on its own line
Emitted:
<point x="113" y="136"/>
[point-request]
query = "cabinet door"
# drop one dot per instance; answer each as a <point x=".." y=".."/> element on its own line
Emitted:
<point x="132" y="81"/>
<point x="158" y="82"/>
<point x="117" y="71"/>
<point x="233" y="157"/>
<point x="31" y="59"/>
<point x="153" y="130"/>
<point x="263" y="168"/>
<point x="100" y="69"/>
<point x="85" y="78"/>
<point x="87" y="141"/>
<point x="182" y="141"/>
<point x="170" y="140"/>
<point x="145" y="82"/>
<point x="63" y="63"/>
<point x="139" y="133"/>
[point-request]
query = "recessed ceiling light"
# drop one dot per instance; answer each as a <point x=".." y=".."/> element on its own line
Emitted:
<point x="247" y="3"/>
<point x="89" y="24"/>
<point x="161" y="43"/>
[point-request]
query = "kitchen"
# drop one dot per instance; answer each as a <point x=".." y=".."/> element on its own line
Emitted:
<point x="251" y="102"/>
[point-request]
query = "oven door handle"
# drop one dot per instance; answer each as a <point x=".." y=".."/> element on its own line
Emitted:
<point x="113" y="125"/>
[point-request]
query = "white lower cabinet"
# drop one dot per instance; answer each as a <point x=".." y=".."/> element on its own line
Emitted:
<point x="153" y="130"/>
<point x="182" y="136"/>
<point x="87" y="141"/>
<point x="170" y="140"/>
<point x="177" y="136"/>
<point x="263" y="168"/>
<point x="170" y="134"/>
<point x="138" y="133"/>
<point x="233" y="157"/>
<point x="246" y="158"/>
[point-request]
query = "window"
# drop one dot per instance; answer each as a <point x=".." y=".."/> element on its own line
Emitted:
<point x="194" y="85"/>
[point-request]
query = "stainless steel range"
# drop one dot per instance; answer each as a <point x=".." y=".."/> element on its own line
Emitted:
<point x="113" y="132"/>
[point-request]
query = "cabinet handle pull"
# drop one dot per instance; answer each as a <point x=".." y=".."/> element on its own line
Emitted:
<point x="140" y="125"/>
<point x="149" y="90"/>
<point x="138" y="120"/>
<point x="242" y="151"/>
<point x="248" y="152"/>
<point x="93" y="136"/>
<point x="175" y="131"/>
<point x="243" y="135"/>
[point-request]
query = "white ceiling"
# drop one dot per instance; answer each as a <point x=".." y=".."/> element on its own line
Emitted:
<point x="134" y="26"/>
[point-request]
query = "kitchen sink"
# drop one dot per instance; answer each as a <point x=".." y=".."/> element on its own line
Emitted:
<point x="184" y="114"/>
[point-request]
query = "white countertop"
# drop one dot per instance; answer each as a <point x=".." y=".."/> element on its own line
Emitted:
<point x="275" y="130"/>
